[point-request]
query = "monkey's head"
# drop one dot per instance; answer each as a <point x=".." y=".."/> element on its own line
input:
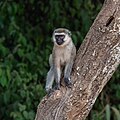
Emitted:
<point x="61" y="36"/>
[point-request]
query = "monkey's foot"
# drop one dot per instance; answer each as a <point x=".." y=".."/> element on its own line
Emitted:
<point x="49" y="93"/>
<point x="68" y="82"/>
<point x="57" y="86"/>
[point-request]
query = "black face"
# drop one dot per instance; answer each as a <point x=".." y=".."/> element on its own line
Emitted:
<point x="59" y="39"/>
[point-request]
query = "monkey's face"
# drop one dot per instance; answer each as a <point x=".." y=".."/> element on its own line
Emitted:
<point x="61" y="37"/>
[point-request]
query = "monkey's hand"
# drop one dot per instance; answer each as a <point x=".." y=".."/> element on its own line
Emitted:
<point x="68" y="82"/>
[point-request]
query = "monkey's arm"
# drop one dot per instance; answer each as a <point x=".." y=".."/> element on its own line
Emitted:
<point x="49" y="80"/>
<point x="68" y="68"/>
<point x="50" y="76"/>
<point x="57" y="71"/>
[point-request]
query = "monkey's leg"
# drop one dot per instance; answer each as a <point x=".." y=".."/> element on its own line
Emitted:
<point x="67" y="72"/>
<point x="49" y="80"/>
<point x="57" y="77"/>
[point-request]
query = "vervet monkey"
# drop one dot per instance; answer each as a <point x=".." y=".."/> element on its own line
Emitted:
<point x="63" y="54"/>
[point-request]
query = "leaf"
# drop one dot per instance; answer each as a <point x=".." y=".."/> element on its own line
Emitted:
<point x="8" y="73"/>
<point x="31" y="115"/>
<point x="3" y="50"/>
<point x="0" y="72"/>
<point x="117" y="113"/>
<point x="22" y="39"/>
<point x="25" y="114"/>
<point x="77" y="4"/>
<point x="6" y="97"/>
<point x="22" y="107"/>
<point x="3" y="81"/>
<point x="13" y="114"/>
<point x="107" y="112"/>
<point x="15" y="7"/>
<point x="21" y="52"/>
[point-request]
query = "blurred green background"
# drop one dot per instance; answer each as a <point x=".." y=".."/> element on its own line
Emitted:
<point x="26" y="28"/>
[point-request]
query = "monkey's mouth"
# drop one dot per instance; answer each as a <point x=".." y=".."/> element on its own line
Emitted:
<point x="59" y="42"/>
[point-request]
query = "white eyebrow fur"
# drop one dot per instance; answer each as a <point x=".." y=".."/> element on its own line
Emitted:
<point x="60" y="33"/>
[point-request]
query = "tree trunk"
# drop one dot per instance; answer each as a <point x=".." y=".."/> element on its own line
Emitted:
<point x="96" y="61"/>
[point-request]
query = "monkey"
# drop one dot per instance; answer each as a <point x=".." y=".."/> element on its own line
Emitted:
<point x="63" y="55"/>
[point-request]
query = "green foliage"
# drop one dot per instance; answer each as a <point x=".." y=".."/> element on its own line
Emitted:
<point x="25" y="44"/>
<point x="107" y="112"/>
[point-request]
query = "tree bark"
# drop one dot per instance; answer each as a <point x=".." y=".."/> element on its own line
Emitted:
<point x="96" y="61"/>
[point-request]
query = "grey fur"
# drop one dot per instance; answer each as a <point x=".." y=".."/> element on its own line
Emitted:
<point x="62" y="55"/>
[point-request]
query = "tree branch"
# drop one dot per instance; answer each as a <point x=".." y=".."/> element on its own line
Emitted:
<point x="96" y="61"/>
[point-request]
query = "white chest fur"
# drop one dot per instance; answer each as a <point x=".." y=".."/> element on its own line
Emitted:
<point x="64" y="54"/>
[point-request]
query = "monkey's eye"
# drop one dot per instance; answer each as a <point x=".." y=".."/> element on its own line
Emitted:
<point x="62" y="36"/>
<point x="59" y="37"/>
<point x="56" y="37"/>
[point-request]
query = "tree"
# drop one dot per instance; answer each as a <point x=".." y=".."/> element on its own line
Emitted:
<point x="97" y="59"/>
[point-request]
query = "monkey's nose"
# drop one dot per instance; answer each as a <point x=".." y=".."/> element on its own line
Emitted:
<point x="59" y="41"/>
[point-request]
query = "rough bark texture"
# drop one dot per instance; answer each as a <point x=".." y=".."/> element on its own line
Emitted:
<point x="96" y="61"/>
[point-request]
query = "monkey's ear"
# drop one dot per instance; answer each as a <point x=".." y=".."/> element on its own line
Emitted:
<point x="54" y="31"/>
<point x="69" y="33"/>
